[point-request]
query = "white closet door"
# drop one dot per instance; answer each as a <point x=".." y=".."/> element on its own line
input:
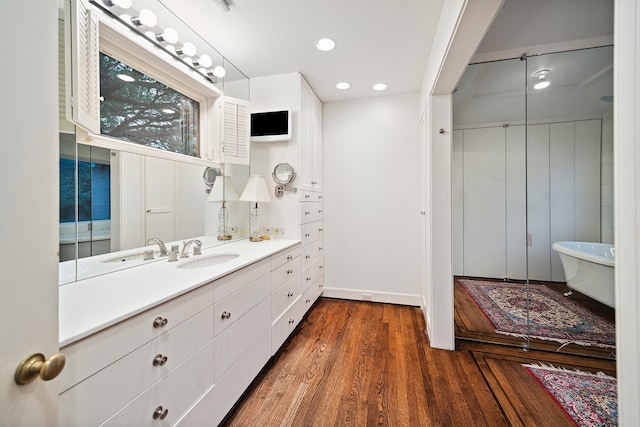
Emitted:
<point x="516" y="226"/>
<point x="159" y="198"/>
<point x="587" y="190"/>
<point x="484" y="202"/>
<point x="539" y="258"/>
<point x="562" y="181"/>
<point x="457" y="174"/>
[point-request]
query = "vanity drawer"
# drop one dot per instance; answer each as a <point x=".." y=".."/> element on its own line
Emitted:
<point x="309" y="196"/>
<point x="98" y="397"/>
<point x="311" y="232"/>
<point x="284" y="296"/>
<point x="230" y="344"/>
<point x="283" y="257"/>
<point x="310" y="212"/>
<point x="283" y="327"/>
<point x="312" y="273"/>
<point x="91" y="354"/>
<point x="283" y="273"/>
<point x="238" y="377"/>
<point x="311" y="295"/>
<point x="227" y="285"/>
<point x="176" y="393"/>
<point x="310" y="254"/>
<point x="233" y="307"/>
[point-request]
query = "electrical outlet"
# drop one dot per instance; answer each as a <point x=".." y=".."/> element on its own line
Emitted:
<point x="276" y="231"/>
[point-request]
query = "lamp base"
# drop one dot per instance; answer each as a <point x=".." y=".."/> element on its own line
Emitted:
<point x="256" y="239"/>
<point x="225" y="237"/>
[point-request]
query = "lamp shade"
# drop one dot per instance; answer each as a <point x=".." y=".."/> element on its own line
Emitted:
<point x="222" y="190"/>
<point x="255" y="190"/>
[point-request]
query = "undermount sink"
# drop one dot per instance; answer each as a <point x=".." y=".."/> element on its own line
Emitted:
<point x="208" y="260"/>
<point x="138" y="256"/>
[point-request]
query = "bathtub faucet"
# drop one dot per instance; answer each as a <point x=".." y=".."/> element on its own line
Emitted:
<point x="160" y="243"/>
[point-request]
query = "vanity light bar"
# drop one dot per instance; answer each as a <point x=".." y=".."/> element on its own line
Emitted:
<point x="164" y="39"/>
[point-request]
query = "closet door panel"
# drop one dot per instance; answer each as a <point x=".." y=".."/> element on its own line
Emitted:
<point x="562" y="182"/>
<point x="516" y="226"/>
<point x="538" y="202"/>
<point x="587" y="190"/>
<point x="457" y="203"/>
<point x="484" y="203"/>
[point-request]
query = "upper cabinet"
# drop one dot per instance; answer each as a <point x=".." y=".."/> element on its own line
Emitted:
<point x="310" y="122"/>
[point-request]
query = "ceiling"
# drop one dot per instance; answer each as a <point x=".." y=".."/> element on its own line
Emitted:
<point x="377" y="40"/>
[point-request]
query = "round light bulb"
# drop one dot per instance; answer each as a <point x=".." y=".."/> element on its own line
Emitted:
<point x="343" y="85"/>
<point x="541" y="84"/>
<point x="146" y="18"/>
<point x="325" y="45"/>
<point x="188" y="49"/>
<point x="219" y="71"/>
<point x="203" y="61"/>
<point x="379" y="86"/>
<point x="169" y="35"/>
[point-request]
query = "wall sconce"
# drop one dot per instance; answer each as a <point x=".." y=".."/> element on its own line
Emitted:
<point x="255" y="191"/>
<point x="223" y="191"/>
<point x="283" y="174"/>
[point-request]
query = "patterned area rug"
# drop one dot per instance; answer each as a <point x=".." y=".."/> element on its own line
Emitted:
<point x="551" y="317"/>
<point x="589" y="399"/>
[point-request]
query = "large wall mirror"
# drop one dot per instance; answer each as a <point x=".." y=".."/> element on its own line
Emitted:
<point x="114" y="200"/>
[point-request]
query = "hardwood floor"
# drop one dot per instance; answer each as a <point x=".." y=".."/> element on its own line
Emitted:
<point x="357" y="363"/>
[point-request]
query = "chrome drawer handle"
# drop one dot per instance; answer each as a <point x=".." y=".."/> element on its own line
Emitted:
<point x="289" y="271"/>
<point x="291" y="321"/>
<point x="314" y="182"/>
<point x="321" y="267"/>
<point x="289" y="294"/>
<point x="226" y="315"/>
<point x="308" y="279"/>
<point x="160" y="360"/>
<point x="307" y="235"/>
<point x="320" y="248"/>
<point x="160" y="322"/>
<point x="320" y="211"/>
<point x="320" y="230"/>
<point x="289" y="257"/>
<point x="306" y="196"/>
<point x="308" y="301"/>
<point x="161" y="413"/>
<point x="307" y="256"/>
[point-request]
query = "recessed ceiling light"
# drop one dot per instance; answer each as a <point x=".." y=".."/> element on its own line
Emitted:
<point x="343" y="85"/>
<point x="379" y="86"/>
<point x="126" y="78"/>
<point x="542" y="79"/>
<point x="541" y="84"/>
<point x="325" y="45"/>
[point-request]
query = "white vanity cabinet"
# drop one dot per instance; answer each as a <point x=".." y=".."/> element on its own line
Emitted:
<point x="312" y="258"/>
<point x="285" y="305"/>
<point x="106" y="371"/>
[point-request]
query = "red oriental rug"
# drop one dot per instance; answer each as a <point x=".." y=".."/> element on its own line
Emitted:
<point x="549" y="316"/>
<point x="590" y="400"/>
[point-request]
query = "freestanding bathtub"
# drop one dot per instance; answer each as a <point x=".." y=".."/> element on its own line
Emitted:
<point x="588" y="268"/>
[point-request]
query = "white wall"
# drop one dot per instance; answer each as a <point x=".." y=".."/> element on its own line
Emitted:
<point x="371" y="157"/>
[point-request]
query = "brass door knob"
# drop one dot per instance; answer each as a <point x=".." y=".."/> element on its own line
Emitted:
<point x="36" y="366"/>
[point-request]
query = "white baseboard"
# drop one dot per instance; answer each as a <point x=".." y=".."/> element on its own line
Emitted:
<point x="374" y="296"/>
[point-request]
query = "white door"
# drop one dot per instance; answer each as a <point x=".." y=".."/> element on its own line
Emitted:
<point x="28" y="211"/>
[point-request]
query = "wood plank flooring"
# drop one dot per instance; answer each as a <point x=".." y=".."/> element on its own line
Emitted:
<point x="355" y="363"/>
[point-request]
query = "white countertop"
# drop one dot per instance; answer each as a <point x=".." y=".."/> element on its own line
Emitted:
<point x="90" y="305"/>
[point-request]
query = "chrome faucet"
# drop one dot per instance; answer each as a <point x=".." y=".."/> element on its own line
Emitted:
<point x="160" y="243"/>
<point x="185" y="247"/>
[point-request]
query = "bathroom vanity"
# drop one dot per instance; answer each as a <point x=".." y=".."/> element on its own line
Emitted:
<point x="178" y="343"/>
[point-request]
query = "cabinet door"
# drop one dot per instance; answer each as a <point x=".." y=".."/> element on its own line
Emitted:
<point x="159" y="198"/>
<point x="306" y="166"/>
<point x="538" y="202"/>
<point x="316" y="143"/>
<point x="484" y="202"/>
